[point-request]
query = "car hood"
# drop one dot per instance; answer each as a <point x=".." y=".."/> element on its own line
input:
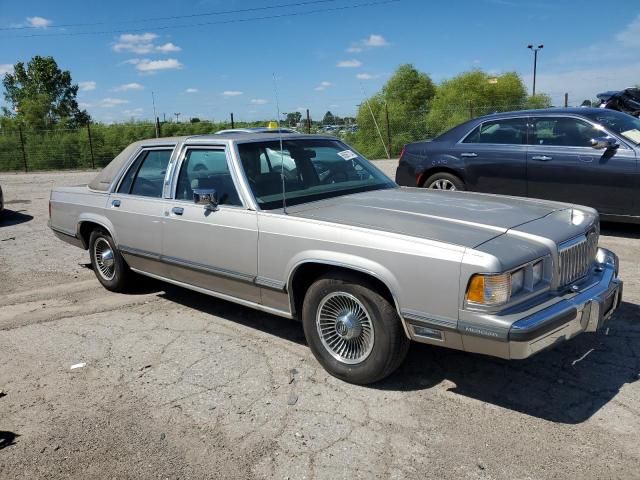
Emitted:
<point x="461" y="218"/>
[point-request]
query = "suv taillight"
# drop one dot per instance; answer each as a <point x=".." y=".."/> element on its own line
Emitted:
<point x="402" y="154"/>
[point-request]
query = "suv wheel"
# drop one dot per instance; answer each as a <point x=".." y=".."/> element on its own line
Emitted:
<point x="352" y="330"/>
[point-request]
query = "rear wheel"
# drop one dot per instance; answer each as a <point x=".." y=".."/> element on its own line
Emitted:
<point x="444" y="181"/>
<point x="107" y="262"/>
<point x="352" y="330"/>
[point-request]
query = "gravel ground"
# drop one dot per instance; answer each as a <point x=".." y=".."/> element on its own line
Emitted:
<point x="180" y="385"/>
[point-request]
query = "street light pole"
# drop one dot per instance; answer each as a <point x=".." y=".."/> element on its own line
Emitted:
<point x="535" y="64"/>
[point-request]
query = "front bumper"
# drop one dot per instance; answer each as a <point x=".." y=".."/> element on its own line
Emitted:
<point x="587" y="311"/>
<point x="521" y="334"/>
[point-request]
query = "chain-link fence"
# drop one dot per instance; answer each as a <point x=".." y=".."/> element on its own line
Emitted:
<point x="378" y="134"/>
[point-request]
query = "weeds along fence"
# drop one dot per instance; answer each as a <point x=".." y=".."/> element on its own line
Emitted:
<point x="95" y="145"/>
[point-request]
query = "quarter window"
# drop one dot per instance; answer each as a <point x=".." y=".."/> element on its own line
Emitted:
<point x="563" y="131"/>
<point x="146" y="175"/>
<point x="511" y="131"/>
<point x="207" y="169"/>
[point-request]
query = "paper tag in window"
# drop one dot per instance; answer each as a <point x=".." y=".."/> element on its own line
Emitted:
<point x="633" y="135"/>
<point x="347" y="155"/>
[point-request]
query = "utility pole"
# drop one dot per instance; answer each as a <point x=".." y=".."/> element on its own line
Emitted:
<point x="386" y="114"/>
<point x="233" y="125"/>
<point x="535" y="63"/>
<point x="308" y="122"/>
<point x="177" y="114"/>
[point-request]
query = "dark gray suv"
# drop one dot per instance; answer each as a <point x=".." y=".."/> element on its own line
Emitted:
<point x="587" y="156"/>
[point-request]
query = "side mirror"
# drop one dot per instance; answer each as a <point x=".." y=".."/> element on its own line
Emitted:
<point x="207" y="197"/>
<point x="600" y="143"/>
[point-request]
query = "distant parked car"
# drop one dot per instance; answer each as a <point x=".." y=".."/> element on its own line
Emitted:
<point x="627" y="101"/>
<point x="255" y="130"/>
<point x="586" y="156"/>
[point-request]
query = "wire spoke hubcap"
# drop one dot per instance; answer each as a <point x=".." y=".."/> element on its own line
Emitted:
<point x="345" y="327"/>
<point x="442" y="184"/>
<point x="103" y="255"/>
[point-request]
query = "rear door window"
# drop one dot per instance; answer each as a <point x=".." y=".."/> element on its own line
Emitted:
<point x="145" y="177"/>
<point x="510" y="131"/>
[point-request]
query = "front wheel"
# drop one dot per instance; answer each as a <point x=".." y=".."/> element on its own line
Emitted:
<point x="444" y="181"/>
<point x="107" y="262"/>
<point x="353" y="331"/>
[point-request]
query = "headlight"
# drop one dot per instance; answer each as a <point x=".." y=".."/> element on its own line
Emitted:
<point x="537" y="272"/>
<point x="489" y="289"/>
<point x="517" y="281"/>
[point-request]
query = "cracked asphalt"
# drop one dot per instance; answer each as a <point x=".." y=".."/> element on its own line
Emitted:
<point x="181" y="385"/>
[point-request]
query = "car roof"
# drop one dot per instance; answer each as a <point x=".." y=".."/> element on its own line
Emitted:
<point x="544" y="111"/>
<point x="255" y="130"/>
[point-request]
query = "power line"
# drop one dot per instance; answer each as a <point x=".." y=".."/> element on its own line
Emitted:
<point x="175" y="17"/>
<point x="202" y="24"/>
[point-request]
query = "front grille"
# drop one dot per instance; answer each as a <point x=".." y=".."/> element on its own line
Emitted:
<point x="576" y="256"/>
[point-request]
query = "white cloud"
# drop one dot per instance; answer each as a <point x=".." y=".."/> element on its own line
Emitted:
<point x="191" y="90"/>
<point x="5" y="68"/>
<point x="136" y="43"/>
<point x="151" y="66"/>
<point x="259" y="101"/>
<point x="349" y="63"/>
<point x="38" y="22"/>
<point x="142" y="43"/>
<point x="129" y="86"/>
<point x="86" y="86"/>
<point x="112" y="102"/>
<point x="323" y="86"/>
<point x="168" y="48"/>
<point x="366" y="76"/>
<point x="136" y="112"/>
<point x="375" y="41"/>
<point x="630" y="36"/>
<point x="354" y="49"/>
<point x="232" y="93"/>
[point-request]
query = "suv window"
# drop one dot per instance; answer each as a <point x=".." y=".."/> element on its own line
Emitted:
<point x="208" y="169"/>
<point x="563" y="131"/>
<point x="145" y="177"/>
<point x="510" y="131"/>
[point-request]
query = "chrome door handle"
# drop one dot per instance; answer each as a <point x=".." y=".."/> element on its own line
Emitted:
<point x="469" y="154"/>
<point x="177" y="210"/>
<point x="115" y="203"/>
<point x="542" y="158"/>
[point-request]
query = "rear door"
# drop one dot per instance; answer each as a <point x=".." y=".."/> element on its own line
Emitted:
<point x="136" y="209"/>
<point x="562" y="165"/>
<point x="494" y="156"/>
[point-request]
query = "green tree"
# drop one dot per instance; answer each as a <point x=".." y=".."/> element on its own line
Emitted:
<point x="42" y="95"/>
<point x="328" y="119"/>
<point x="539" y="100"/>
<point x="404" y="100"/>
<point x="294" y="118"/>
<point x="472" y="94"/>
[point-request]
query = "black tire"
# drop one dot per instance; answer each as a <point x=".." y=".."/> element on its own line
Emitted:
<point x="389" y="345"/>
<point x="444" y="177"/>
<point x="118" y="281"/>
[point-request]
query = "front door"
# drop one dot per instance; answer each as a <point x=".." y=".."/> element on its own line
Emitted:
<point x="494" y="157"/>
<point x="212" y="249"/>
<point x="562" y="165"/>
<point x="136" y="210"/>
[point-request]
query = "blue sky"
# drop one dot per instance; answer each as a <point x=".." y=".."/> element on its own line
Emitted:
<point x="323" y="60"/>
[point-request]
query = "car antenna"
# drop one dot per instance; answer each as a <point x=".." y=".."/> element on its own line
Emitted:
<point x="366" y="100"/>
<point x="284" y="192"/>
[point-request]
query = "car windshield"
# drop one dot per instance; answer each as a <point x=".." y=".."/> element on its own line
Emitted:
<point x="313" y="169"/>
<point x="618" y="122"/>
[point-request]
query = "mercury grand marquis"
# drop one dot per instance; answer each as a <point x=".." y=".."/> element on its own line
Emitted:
<point x="304" y="227"/>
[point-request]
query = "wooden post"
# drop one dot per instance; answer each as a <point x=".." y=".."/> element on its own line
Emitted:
<point x="24" y="152"/>
<point x="232" y="123"/>
<point x="566" y="100"/>
<point x="93" y="161"/>
<point x="308" y="122"/>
